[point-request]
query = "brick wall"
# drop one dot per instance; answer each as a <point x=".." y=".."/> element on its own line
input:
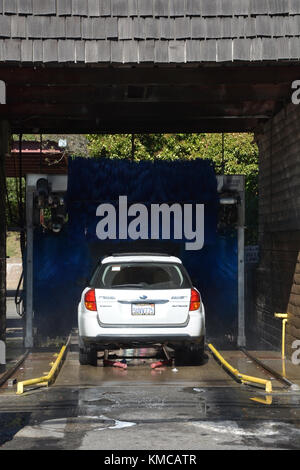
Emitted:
<point x="278" y="274"/>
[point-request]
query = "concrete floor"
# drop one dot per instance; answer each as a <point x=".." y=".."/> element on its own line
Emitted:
<point x="13" y="273"/>
<point x="104" y="408"/>
<point x="196" y="407"/>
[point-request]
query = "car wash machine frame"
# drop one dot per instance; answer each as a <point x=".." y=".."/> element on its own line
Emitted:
<point x="48" y="192"/>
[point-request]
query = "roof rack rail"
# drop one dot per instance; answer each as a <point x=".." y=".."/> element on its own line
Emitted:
<point x="133" y="253"/>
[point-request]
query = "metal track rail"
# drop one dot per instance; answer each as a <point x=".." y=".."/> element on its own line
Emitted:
<point x="269" y="370"/>
<point x="247" y="379"/>
<point x="13" y="369"/>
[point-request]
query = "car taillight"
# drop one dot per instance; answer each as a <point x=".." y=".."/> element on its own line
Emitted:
<point x="195" y="300"/>
<point x="90" y="300"/>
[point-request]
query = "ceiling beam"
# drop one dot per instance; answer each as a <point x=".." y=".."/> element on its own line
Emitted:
<point x="95" y="94"/>
<point x="252" y="74"/>
<point x="139" y="111"/>
<point x="117" y="126"/>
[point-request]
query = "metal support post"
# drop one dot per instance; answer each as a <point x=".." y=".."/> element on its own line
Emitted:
<point x="29" y="268"/>
<point x="4" y="146"/>
<point x="284" y="317"/>
<point x="241" y="270"/>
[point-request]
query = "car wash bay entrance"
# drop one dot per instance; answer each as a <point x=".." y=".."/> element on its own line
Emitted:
<point x="138" y="100"/>
<point x="153" y="66"/>
<point x="152" y="71"/>
<point x="61" y="259"/>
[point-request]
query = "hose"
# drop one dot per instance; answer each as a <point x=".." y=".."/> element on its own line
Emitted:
<point x="19" y="298"/>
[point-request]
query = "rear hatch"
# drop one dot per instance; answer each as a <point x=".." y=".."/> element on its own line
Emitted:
<point x="139" y="293"/>
<point x="143" y="308"/>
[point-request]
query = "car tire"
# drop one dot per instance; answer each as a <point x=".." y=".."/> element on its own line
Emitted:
<point x="190" y="354"/>
<point x="196" y="352"/>
<point x="88" y="357"/>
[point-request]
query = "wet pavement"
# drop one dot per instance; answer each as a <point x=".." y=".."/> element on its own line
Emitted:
<point x="14" y="337"/>
<point x="192" y="408"/>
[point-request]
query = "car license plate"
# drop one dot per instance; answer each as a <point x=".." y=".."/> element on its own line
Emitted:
<point x="142" y="309"/>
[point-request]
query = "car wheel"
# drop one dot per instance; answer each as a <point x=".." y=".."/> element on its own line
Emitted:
<point x="190" y="354"/>
<point x="196" y="352"/>
<point x="88" y="357"/>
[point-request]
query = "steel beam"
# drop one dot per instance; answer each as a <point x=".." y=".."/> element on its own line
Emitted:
<point x="241" y="269"/>
<point x="140" y="75"/>
<point x="29" y="268"/>
<point x="4" y="145"/>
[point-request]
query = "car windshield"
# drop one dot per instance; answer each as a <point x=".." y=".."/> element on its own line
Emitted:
<point x="140" y="276"/>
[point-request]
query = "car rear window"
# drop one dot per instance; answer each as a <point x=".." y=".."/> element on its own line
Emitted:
<point x="140" y="276"/>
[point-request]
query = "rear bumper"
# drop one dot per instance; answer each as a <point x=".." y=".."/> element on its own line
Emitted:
<point x="139" y="338"/>
<point x="93" y="334"/>
<point x="127" y="341"/>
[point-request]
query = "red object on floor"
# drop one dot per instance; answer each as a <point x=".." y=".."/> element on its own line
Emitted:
<point x="121" y="365"/>
<point x="154" y="365"/>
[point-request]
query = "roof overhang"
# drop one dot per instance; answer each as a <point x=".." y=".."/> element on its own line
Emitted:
<point x="140" y="99"/>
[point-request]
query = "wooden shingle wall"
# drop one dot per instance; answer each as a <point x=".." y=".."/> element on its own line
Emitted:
<point x="161" y="31"/>
<point x="278" y="276"/>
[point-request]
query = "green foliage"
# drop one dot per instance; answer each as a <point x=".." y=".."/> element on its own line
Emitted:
<point x="13" y="245"/>
<point x="240" y="152"/>
<point x="146" y="146"/>
<point x="240" y="157"/>
<point x="12" y="198"/>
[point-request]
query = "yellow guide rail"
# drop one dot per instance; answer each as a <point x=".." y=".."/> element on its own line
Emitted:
<point x="47" y="379"/>
<point x="242" y="377"/>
